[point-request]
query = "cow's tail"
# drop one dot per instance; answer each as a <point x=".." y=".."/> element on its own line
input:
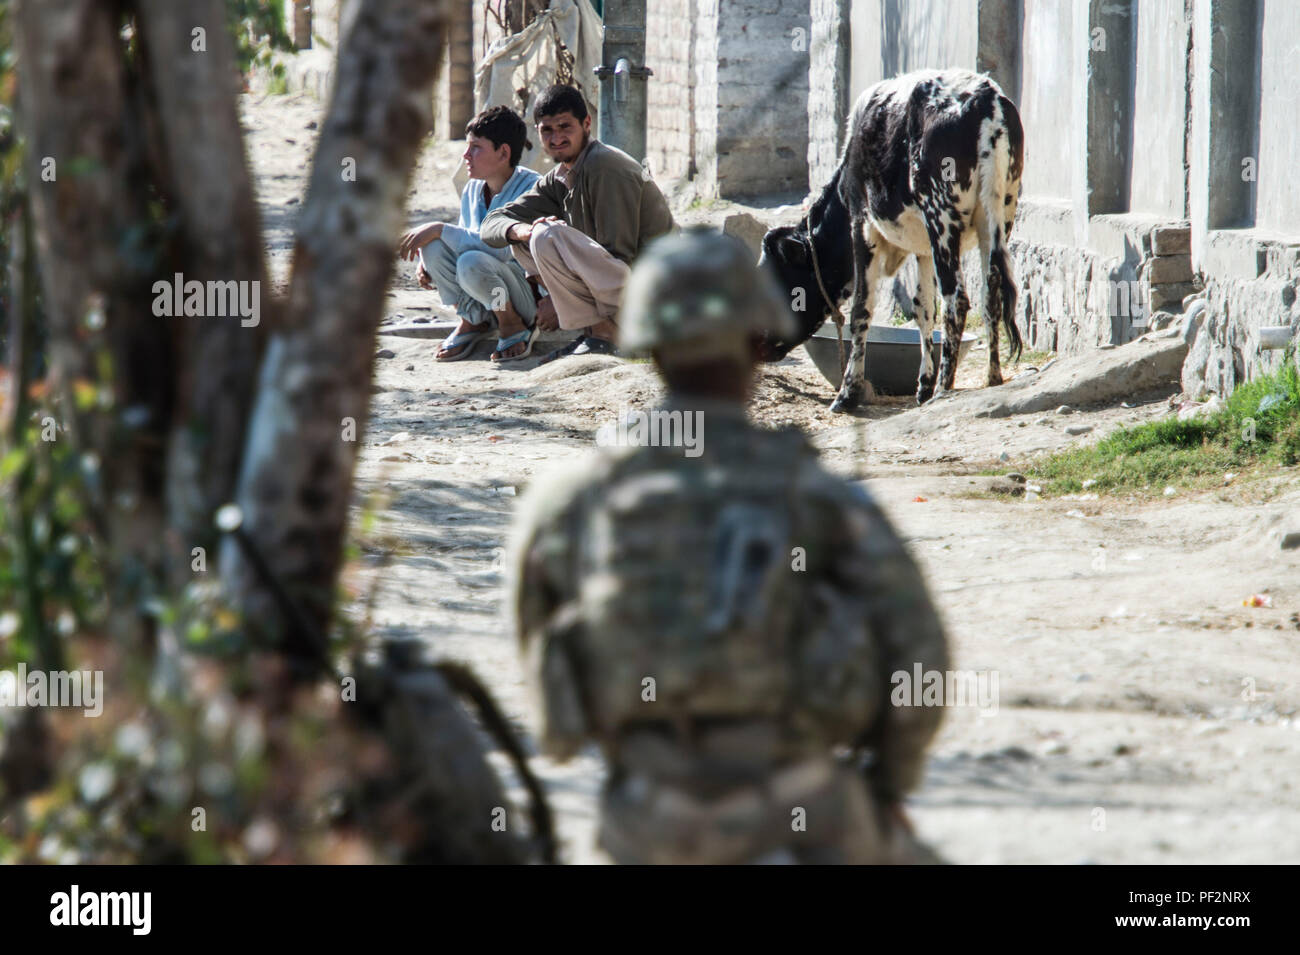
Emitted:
<point x="999" y="193"/>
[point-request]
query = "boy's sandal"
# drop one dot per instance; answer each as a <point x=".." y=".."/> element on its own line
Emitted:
<point x="465" y="341"/>
<point x="528" y="335"/>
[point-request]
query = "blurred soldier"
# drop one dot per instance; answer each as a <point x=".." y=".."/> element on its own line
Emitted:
<point x="721" y="624"/>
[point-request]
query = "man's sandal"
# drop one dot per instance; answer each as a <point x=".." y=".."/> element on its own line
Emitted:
<point x="528" y="335"/>
<point x="465" y="341"/>
<point x="582" y="345"/>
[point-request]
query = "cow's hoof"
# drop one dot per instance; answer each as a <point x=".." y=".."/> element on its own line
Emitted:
<point x="924" y="391"/>
<point x="994" y="379"/>
<point x="845" y="403"/>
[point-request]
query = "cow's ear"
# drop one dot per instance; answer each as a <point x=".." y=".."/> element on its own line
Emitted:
<point x="793" y="249"/>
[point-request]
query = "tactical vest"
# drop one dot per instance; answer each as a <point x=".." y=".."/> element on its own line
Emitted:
<point x="689" y="603"/>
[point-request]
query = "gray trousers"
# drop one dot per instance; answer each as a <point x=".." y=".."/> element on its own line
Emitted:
<point x="474" y="278"/>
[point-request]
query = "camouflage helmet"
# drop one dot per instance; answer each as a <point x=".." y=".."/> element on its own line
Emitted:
<point x="698" y="285"/>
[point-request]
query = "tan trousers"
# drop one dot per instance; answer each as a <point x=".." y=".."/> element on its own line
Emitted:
<point x="585" y="282"/>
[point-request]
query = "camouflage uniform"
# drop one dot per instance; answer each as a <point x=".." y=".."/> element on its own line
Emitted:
<point x="720" y="624"/>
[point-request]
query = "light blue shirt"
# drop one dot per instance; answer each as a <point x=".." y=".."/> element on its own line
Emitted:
<point x="473" y="210"/>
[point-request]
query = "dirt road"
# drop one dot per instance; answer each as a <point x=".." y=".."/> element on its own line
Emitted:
<point x="1143" y="713"/>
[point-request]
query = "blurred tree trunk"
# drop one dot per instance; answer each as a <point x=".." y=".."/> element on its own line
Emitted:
<point x="203" y="172"/>
<point x="96" y="244"/>
<point x="142" y="126"/>
<point x="314" y="392"/>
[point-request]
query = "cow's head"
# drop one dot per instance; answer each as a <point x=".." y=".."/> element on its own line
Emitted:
<point x="787" y="251"/>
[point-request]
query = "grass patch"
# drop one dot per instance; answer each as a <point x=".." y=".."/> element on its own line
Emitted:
<point x="1259" y="426"/>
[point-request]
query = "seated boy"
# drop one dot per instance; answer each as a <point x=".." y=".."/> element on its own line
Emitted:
<point x="471" y="276"/>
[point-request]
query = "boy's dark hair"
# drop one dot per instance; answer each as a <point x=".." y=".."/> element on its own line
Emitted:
<point x="501" y="124"/>
<point x="560" y="99"/>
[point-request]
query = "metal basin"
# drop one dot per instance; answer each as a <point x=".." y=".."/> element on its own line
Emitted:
<point x="893" y="355"/>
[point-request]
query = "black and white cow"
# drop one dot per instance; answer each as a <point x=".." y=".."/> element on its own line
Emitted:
<point x="931" y="167"/>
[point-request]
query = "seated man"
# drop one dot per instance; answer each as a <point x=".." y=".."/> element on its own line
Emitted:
<point x="477" y="280"/>
<point x="581" y="225"/>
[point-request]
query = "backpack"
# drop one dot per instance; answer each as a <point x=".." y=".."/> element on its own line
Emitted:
<point x="690" y="605"/>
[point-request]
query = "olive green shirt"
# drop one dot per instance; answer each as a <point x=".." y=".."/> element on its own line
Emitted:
<point x="606" y="195"/>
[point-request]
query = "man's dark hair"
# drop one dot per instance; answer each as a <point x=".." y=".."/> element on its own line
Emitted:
<point x="560" y="99"/>
<point x="501" y="124"/>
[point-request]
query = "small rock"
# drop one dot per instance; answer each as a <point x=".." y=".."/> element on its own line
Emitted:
<point x="1042" y="421"/>
<point x="1229" y="478"/>
<point x="1002" y="485"/>
<point x="310" y="125"/>
<point x="410" y="368"/>
<point x="1065" y="409"/>
<point x="1078" y="429"/>
<point x="1291" y="541"/>
<point x="1197" y="412"/>
<point x="385" y="353"/>
<point x="291" y="202"/>
<point x="1170" y="491"/>
<point x="1034" y="488"/>
<point x="1015" y="476"/>
<point x="1004" y="456"/>
<point x="1127" y="404"/>
<point x="1089" y="482"/>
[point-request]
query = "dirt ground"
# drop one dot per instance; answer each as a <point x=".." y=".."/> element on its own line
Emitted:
<point x="1145" y="715"/>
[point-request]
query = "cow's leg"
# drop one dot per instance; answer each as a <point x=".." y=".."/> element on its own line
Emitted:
<point x="992" y="298"/>
<point x="947" y="269"/>
<point x="924" y="304"/>
<point x="1000" y="295"/>
<point x="855" y="389"/>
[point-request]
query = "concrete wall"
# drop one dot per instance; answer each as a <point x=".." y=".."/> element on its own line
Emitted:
<point x="1277" y="205"/>
<point x="1158" y="174"/>
<point x="890" y="37"/>
<point x="670" y="118"/>
<point x="1048" y="51"/>
<point x="750" y="97"/>
<point x="830" y="81"/>
<point x="762" y="124"/>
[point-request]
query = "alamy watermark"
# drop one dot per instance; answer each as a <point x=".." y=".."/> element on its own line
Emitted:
<point x="212" y="299"/>
<point x="76" y="908"/>
<point x="659" y="428"/>
<point x="921" y="687"/>
<point x="77" y="689"/>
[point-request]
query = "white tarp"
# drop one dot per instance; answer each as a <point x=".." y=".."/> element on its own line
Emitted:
<point x="527" y="61"/>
